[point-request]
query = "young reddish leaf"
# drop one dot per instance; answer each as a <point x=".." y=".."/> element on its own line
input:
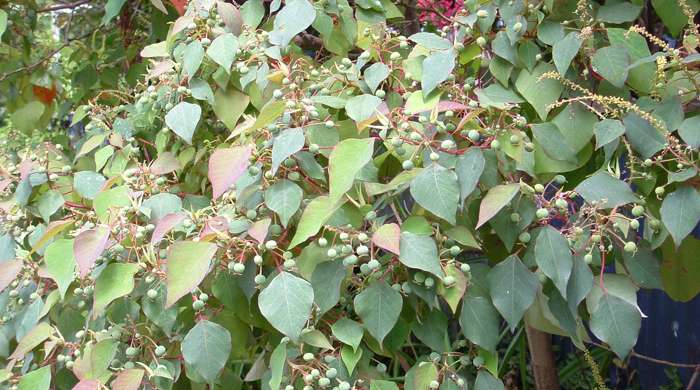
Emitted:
<point x="165" y="163"/>
<point x="88" y="246"/>
<point x="495" y="200"/>
<point x="226" y="166"/>
<point x="258" y="230"/>
<point x="164" y="225"/>
<point x="388" y="237"/>
<point x="88" y="384"/>
<point x="9" y="271"/>
<point x="214" y="226"/>
<point x="128" y="380"/>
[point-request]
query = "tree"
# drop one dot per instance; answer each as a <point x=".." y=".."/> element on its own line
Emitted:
<point x="296" y="195"/>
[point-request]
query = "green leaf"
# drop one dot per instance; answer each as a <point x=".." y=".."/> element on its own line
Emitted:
<point x="350" y="357"/>
<point x="31" y="340"/>
<point x="188" y="264"/>
<point x="347" y="160"/>
<point x="315" y="338"/>
<point x="617" y="322"/>
<point x="206" y="348"/>
<point x="513" y="289"/>
<point x="192" y="58"/>
<point x="314" y="216"/>
<point x="39" y="379"/>
<point x="680" y="270"/>
<point x="553" y="142"/>
<point x="580" y="283"/>
<point x="497" y="198"/>
<point x="295" y="17"/>
<point x="644" y="268"/>
<point x="226" y="166"/>
<point x="223" y="50"/>
<point x="284" y="198"/>
<point x="88" y="183"/>
<point x="453" y="294"/>
<point x="49" y="203"/>
<point x="286" y="303"/>
<point x="672" y="15"/>
<point x="347" y="332"/>
<point x="286" y="144"/>
<point x="430" y="41"/>
<point x="60" y="263"/>
<point x="420" y="252"/>
<point x="326" y="281"/>
<point x="479" y="321"/>
<point x="9" y="269"/>
<point x="486" y="381"/>
<point x="644" y="138"/>
<point x="539" y="93"/>
<point x="496" y="96"/>
<point x="375" y="74"/>
<point x="376" y="384"/>
<point x="440" y="64"/>
<point x="606" y="190"/>
<point x="436" y="189"/>
<point x="607" y="131"/>
<point x="112" y="9"/>
<point x="26" y="118"/>
<point x="550" y="32"/>
<point x="114" y="281"/>
<point x="421" y="375"/>
<point x="362" y="107"/>
<point x="617" y="13"/>
<point x="183" y="120"/>
<point x="252" y="12"/>
<point x="3" y="22"/>
<point x="379" y="307"/>
<point x="277" y="361"/>
<point x="688" y="131"/>
<point x="680" y="212"/>
<point x="230" y="105"/>
<point x="553" y="256"/>
<point x="612" y="63"/>
<point x="95" y="360"/>
<point x="565" y="50"/>
<point x="641" y="77"/>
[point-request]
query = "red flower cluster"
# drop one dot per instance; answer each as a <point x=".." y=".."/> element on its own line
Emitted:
<point x="445" y="7"/>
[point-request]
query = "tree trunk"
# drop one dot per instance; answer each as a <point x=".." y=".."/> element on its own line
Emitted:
<point x="542" y="359"/>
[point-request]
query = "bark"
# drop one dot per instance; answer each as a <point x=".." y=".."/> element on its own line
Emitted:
<point x="542" y="359"/>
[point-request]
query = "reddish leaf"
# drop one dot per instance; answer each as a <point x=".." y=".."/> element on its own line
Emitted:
<point x="164" y="225"/>
<point x="44" y="95"/>
<point x="87" y="384"/>
<point x="9" y="271"/>
<point x="226" y="166"/>
<point x="258" y="230"/>
<point x="180" y="5"/>
<point x="88" y="246"/>
<point x="214" y="226"/>
<point x="450" y="106"/>
<point x="165" y="163"/>
<point x="388" y="237"/>
<point x="128" y="380"/>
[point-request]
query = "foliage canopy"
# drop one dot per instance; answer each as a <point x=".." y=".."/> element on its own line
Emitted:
<point x="316" y="194"/>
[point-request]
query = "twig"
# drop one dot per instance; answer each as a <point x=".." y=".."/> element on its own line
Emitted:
<point x="58" y="7"/>
<point x="45" y="58"/>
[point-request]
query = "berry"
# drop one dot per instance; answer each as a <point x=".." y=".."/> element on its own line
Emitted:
<point x="381" y="367"/>
<point x="588" y="258"/>
<point x="322" y="242"/>
<point x="448" y="281"/>
<point x="638" y="210"/>
<point x="474" y="135"/>
<point x="481" y="41"/>
<point x="131" y="351"/>
<point x="373" y="264"/>
<point x="238" y="268"/>
<point x="659" y="191"/>
<point x="515" y="217"/>
<point x="308" y="357"/>
<point x="332" y="253"/>
<point x="465" y="268"/>
<point x="198" y="305"/>
<point x="362" y="250"/>
<point x="630" y="247"/>
<point x="542" y="213"/>
<point x="434" y="385"/>
<point x="524" y="237"/>
<point x="271" y="244"/>
<point x="634" y="224"/>
<point x="289" y="264"/>
<point x="260" y="279"/>
<point x="455" y="250"/>
<point x="407" y="165"/>
<point x="152" y="294"/>
<point x="160" y="350"/>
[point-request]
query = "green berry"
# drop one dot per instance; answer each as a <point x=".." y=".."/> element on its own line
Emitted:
<point x="152" y="294"/>
<point x="630" y="247"/>
<point x="308" y="357"/>
<point x="638" y="210"/>
<point x="455" y="250"/>
<point x="542" y="213"/>
<point x="634" y="224"/>
<point x="271" y="244"/>
<point x="131" y="351"/>
<point x="659" y="191"/>
<point x="588" y="258"/>
<point x="238" y="268"/>
<point x="260" y="279"/>
<point x="198" y="305"/>
<point x="515" y="217"/>
<point x="160" y="350"/>
<point x="407" y="165"/>
<point x="474" y="135"/>
<point x="448" y="280"/>
<point x="434" y="385"/>
<point x="322" y="242"/>
<point x="524" y="237"/>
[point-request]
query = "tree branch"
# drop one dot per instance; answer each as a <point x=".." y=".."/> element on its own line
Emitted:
<point x="58" y="7"/>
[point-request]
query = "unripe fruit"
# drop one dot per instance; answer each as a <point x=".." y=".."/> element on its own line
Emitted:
<point x="524" y="237"/>
<point x="634" y="224"/>
<point x="308" y="357"/>
<point x="539" y="188"/>
<point x="495" y="144"/>
<point x="434" y="385"/>
<point x="132" y="351"/>
<point x="481" y="41"/>
<point x="198" y="305"/>
<point x="160" y="350"/>
<point x="455" y="250"/>
<point x="271" y="244"/>
<point x="588" y="258"/>
<point x="152" y="294"/>
<point x="407" y="165"/>
<point x="630" y="247"/>
<point x="515" y="217"/>
<point x="332" y="253"/>
<point x="638" y="210"/>
<point x="482" y="13"/>
<point x="448" y="281"/>
<point x="289" y="264"/>
<point x="260" y="279"/>
<point x="542" y="213"/>
<point x="322" y="242"/>
<point x="659" y="191"/>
